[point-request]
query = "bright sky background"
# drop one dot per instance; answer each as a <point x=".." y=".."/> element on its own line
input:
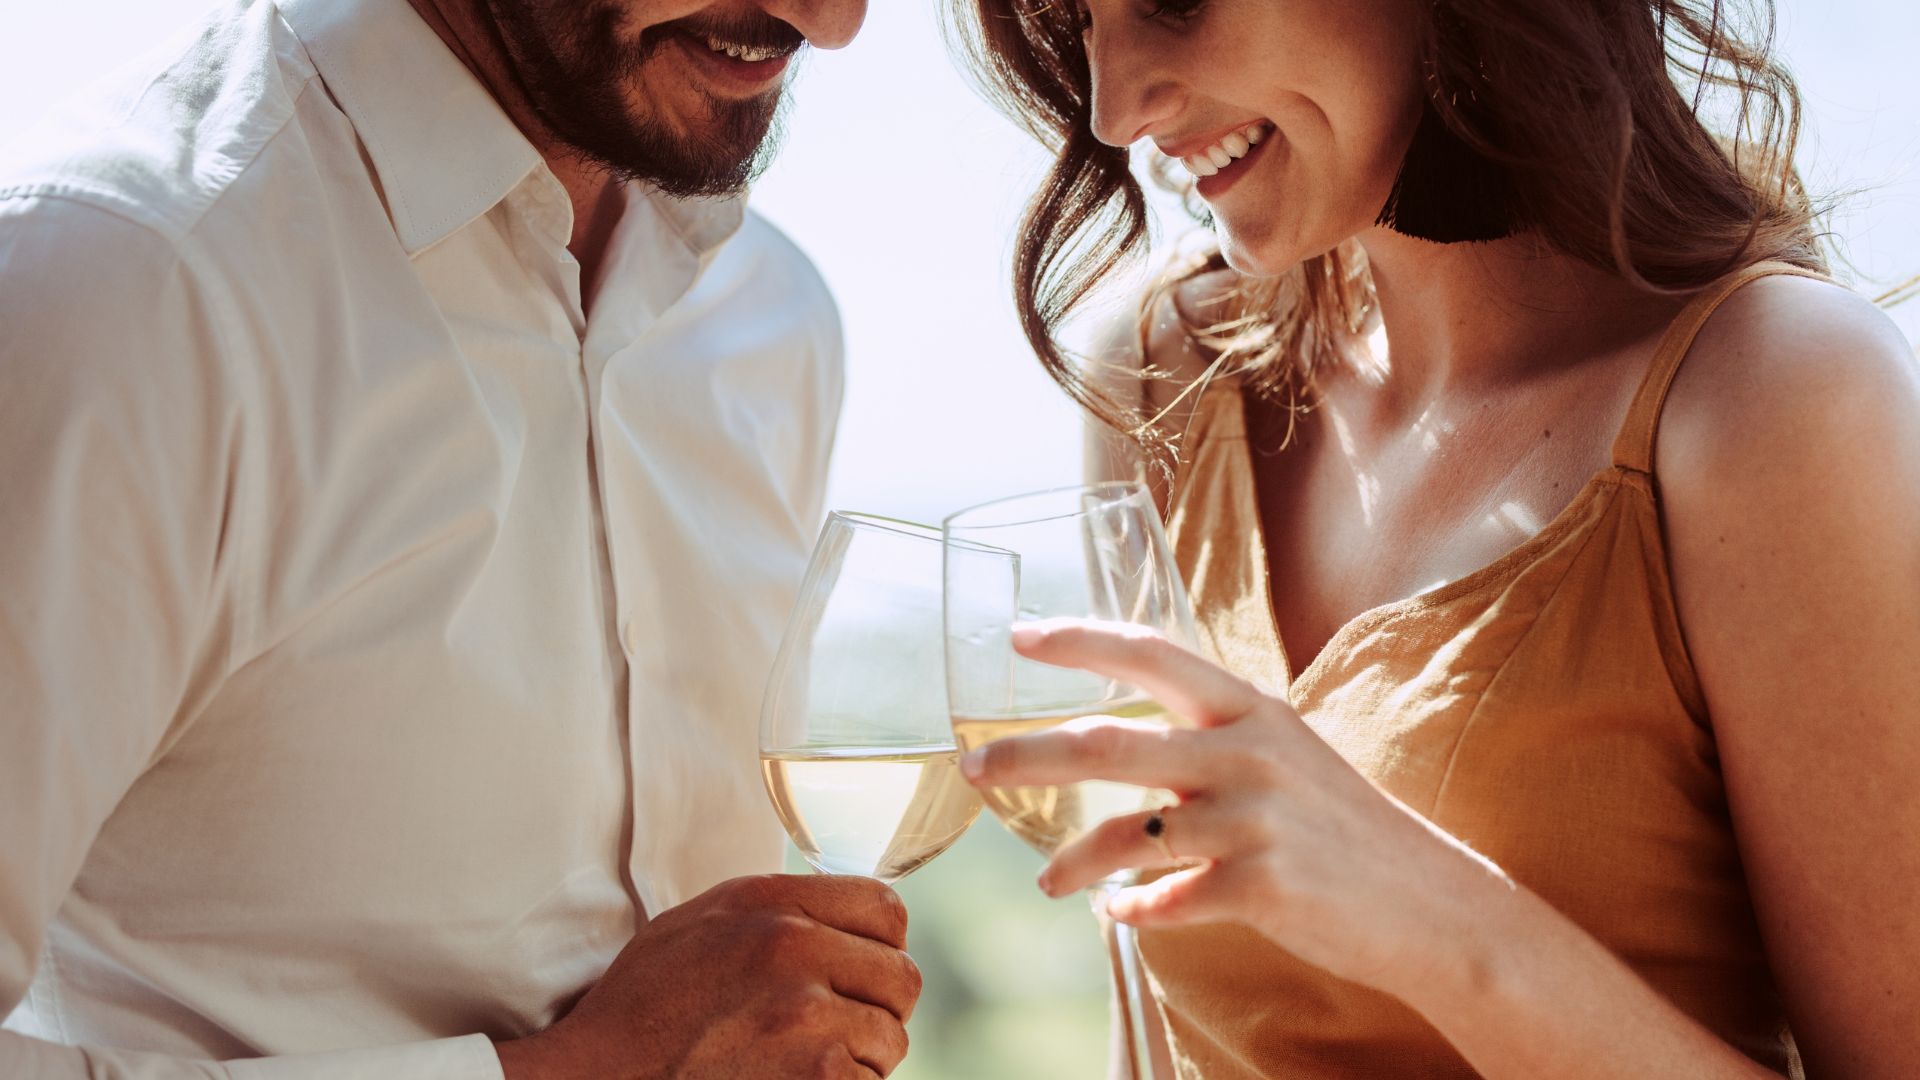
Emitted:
<point x="904" y="188"/>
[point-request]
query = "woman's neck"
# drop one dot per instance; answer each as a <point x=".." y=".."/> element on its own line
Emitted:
<point x="1472" y="319"/>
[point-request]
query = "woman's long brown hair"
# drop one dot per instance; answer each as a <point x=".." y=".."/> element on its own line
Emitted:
<point x="1594" y="106"/>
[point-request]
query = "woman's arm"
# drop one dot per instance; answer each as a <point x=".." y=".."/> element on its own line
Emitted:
<point x="1790" y="465"/>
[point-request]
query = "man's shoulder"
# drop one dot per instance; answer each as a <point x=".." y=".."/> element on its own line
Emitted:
<point x="161" y="142"/>
<point x="762" y="265"/>
<point x="763" y="292"/>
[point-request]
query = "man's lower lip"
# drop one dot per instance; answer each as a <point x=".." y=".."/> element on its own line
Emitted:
<point x="748" y="75"/>
<point x="1213" y="186"/>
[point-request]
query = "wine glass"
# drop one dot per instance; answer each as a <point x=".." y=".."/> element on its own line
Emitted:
<point x="855" y="744"/>
<point x="1095" y="553"/>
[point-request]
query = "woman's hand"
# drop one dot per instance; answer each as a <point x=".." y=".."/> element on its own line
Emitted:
<point x="1288" y="837"/>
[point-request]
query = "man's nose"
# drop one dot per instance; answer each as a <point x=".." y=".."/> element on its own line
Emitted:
<point x="827" y="24"/>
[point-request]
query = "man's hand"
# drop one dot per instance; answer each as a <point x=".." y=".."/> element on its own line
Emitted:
<point x="779" y="977"/>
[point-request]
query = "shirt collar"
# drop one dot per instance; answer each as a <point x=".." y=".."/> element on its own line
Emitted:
<point x="444" y="149"/>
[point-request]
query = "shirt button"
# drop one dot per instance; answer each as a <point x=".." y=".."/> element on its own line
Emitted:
<point x="630" y="638"/>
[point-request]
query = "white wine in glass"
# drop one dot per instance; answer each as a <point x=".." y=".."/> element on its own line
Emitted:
<point x="880" y="812"/>
<point x="855" y="744"/>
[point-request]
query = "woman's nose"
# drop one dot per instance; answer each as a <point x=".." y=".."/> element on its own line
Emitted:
<point x="1133" y="91"/>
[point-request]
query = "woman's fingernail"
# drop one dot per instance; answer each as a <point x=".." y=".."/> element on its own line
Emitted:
<point x="1045" y="881"/>
<point x="973" y="763"/>
<point x="1026" y="636"/>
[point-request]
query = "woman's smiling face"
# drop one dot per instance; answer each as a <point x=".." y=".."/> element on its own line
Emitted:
<point x="1311" y="104"/>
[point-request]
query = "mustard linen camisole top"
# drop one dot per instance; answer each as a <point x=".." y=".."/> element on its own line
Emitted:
<point x="1543" y="709"/>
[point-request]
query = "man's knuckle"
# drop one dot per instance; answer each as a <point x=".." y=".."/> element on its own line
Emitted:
<point x="897" y="1043"/>
<point x="831" y="1062"/>
<point x="889" y="902"/>
<point x="912" y="976"/>
<point x="756" y="890"/>
<point x="784" y="932"/>
<point x="805" y="1009"/>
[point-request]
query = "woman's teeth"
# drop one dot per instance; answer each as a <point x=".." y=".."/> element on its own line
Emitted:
<point x="1227" y="150"/>
<point x="749" y="53"/>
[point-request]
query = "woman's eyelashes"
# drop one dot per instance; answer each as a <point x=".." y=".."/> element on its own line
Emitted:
<point x="1177" y="12"/>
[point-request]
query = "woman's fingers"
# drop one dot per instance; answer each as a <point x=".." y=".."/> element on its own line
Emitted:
<point x="1191" y="832"/>
<point x="1205" y="693"/>
<point x="1094" y="749"/>
<point x="1149" y="755"/>
<point x="1201" y="894"/>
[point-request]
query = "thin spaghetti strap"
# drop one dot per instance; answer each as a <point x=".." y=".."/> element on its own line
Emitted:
<point x="1633" y="449"/>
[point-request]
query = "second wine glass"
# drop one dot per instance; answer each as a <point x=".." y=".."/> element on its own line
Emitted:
<point x="855" y="745"/>
<point x="1096" y="554"/>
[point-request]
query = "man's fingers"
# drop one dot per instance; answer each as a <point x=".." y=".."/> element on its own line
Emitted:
<point x="1204" y="693"/>
<point x="855" y="905"/>
<point x="875" y="1040"/>
<point x="879" y="975"/>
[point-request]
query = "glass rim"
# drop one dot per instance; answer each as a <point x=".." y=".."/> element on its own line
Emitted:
<point x="1132" y="488"/>
<point x="861" y="519"/>
<point x="912" y="530"/>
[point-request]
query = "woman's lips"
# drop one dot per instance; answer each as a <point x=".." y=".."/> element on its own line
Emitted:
<point x="1212" y="187"/>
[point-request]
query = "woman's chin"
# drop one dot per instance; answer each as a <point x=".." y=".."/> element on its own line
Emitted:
<point x="1270" y="248"/>
<point x="1259" y="259"/>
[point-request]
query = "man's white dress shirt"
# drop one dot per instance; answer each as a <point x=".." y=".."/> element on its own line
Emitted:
<point x="380" y="636"/>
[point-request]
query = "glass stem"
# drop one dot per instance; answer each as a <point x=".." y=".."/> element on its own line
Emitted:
<point x="1123" y="950"/>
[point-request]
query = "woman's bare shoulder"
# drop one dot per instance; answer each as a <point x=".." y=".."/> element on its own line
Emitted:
<point x="1794" y="367"/>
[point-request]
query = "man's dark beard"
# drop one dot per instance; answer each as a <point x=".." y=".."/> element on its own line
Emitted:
<point x="572" y="66"/>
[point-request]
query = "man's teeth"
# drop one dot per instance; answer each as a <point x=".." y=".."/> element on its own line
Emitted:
<point x="1227" y="150"/>
<point x="749" y="53"/>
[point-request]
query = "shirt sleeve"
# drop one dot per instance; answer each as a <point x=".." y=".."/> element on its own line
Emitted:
<point x="120" y="423"/>
<point x="470" y="1057"/>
